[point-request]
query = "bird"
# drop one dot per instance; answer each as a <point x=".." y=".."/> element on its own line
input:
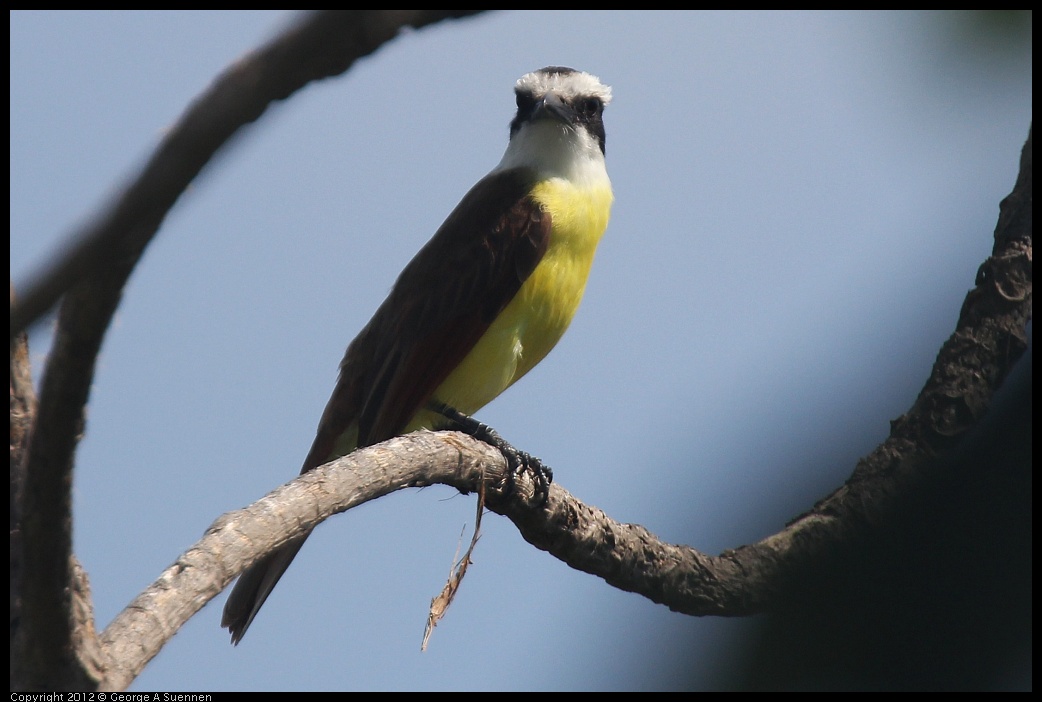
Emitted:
<point x="481" y="303"/>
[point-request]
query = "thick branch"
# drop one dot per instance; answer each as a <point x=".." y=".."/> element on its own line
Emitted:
<point x="749" y="579"/>
<point x="989" y="339"/>
<point x="320" y="45"/>
<point x="91" y="276"/>
<point x="22" y="408"/>
<point x="238" y="539"/>
<point x="626" y="555"/>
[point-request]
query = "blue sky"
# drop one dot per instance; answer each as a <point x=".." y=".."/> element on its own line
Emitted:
<point x="802" y="201"/>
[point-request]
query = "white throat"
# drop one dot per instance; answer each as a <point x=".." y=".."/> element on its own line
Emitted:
<point x="554" y="150"/>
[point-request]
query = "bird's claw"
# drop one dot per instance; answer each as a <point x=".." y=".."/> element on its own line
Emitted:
<point x="517" y="461"/>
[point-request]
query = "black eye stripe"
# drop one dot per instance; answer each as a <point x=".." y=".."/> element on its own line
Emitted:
<point x="588" y="110"/>
<point x="584" y="105"/>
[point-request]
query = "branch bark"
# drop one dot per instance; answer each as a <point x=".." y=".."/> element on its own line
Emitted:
<point x="90" y="277"/>
<point x="320" y="45"/>
<point x="55" y="626"/>
<point x="970" y="368"/>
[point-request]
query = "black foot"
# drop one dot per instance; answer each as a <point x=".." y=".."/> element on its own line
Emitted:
<point x="517" y="460"/>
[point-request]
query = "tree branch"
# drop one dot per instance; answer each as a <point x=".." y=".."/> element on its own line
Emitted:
<point x="91" y="276"/>
<point x="746" y="580"/>
<point x="319" y="45"/>
<point x="238" y="539"/>
<point x="989" y="339"/>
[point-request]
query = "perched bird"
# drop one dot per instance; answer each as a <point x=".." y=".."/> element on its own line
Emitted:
<point x="481" y="303"/>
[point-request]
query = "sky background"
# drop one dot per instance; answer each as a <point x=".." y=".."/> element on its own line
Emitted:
<point x="802" y="202"/>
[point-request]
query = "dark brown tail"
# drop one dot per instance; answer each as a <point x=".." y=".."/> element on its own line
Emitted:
<point x="254" y="586"/>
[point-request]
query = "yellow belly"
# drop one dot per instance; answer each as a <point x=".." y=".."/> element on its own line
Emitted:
<point x="542" y="309"/>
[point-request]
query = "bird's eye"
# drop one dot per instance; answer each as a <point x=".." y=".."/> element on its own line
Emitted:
<point x="525" y="102"/>
<point x="589" y="107"/>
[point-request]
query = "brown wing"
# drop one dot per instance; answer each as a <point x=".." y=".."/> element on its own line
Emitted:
<point x="440" y="306"/>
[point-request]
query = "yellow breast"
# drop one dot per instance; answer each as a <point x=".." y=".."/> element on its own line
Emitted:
<point x="542" y="309"/>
